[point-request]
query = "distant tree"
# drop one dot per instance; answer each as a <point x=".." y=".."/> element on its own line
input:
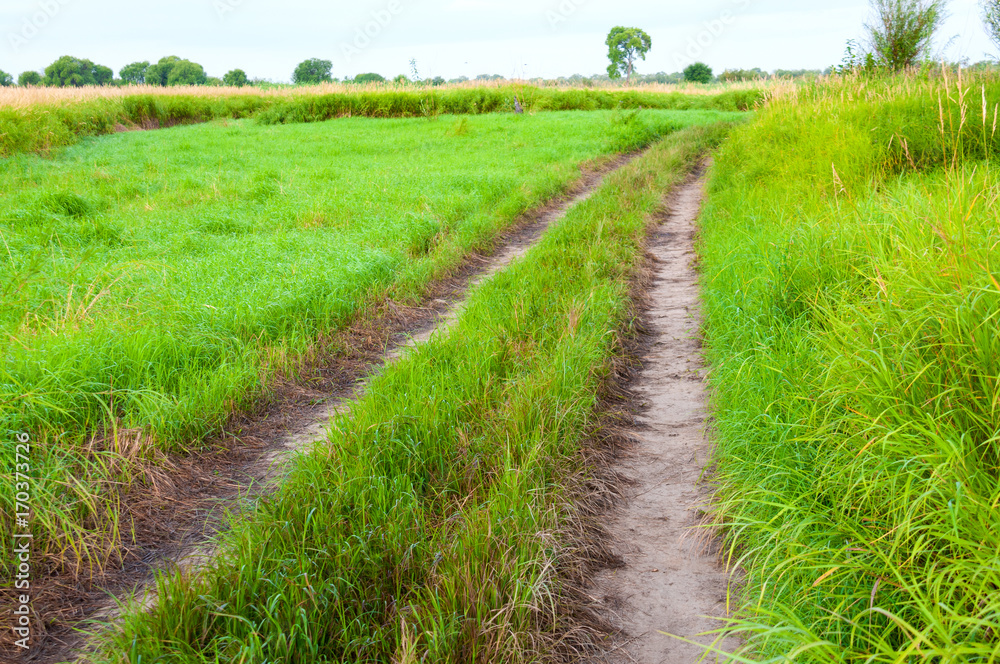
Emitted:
<point x="312" y="72"/>
<point x="490" y="77"/>
<point x="438" y="80"/>
<point x="742" y="75"/>
<point x="237" y="78"/>
<point x="214" y="82"/>
<point x="159" y="73"/>
<point x="698" y="72"/>
<point x="991" y="17"/>
<point x="401" y="79"/>
<point x="186" y="72"/>
<point x="625" y="45"/>
<point x="662" y="77"/>
<point x="798" y="73"/>
<point x="29" y="78"/>
<point x="135" y="73"/>
<point x="68" y="71"/>
<point x="901" y="30"/>
<point x="103" y="75"/>
<point x="6" y="80"/>
<point x="370" y="77"/>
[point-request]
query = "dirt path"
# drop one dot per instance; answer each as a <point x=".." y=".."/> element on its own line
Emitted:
<point x="672" y="580"/>
<point x="194" y="545"/>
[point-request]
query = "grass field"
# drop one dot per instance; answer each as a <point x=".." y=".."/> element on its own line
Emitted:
<point x="42" y="119"/>
<point x="155" y="283"/>
<point x="442" y="520"/>
<point x="852" y="283"/>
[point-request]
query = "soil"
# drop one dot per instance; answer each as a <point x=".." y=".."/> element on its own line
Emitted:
<point x="673" y="581"/>
<point x="246" y="462"/>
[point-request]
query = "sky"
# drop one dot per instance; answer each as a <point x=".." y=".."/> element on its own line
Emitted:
<point x="450" y="38"/>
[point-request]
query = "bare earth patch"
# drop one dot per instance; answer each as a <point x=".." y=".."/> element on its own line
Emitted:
<point x="672" y="580"/>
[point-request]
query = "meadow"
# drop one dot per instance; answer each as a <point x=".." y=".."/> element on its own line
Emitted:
<point x="447" y="517"/>
<point x="41" y="119"/>
<point x="852" y="286"/>
<point x="156" y="283"/>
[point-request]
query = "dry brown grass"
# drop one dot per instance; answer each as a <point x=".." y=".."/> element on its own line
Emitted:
<point x="17" y="97"/>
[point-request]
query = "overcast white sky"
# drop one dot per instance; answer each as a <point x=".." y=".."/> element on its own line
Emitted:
<point x="448" y="38"/>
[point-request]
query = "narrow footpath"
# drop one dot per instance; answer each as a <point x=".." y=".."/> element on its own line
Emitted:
<point x="673" y="581"/>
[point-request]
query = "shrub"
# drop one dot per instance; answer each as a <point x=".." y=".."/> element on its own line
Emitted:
<point x="134" y="73"/>
<point x="698" y="72"/>
<point x="236" y="78"/>
<point x="29" y="78"/>
<point x="312" y="72"/>
<point x="902" y="30"/>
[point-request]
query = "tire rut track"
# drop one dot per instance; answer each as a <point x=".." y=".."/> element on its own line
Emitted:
<point x="195" y="547"/>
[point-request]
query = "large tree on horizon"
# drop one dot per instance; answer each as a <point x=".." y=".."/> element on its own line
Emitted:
<point x="625" y="45"/>
<point x="901" y="31"/>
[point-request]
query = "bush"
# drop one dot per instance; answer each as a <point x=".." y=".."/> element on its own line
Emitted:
<point x="6" y="80"/>
<point x="173" y="70"/>
<point x="698" y="72"/>
<point x="312" y="71"/>
<point x="68" y="71"/>
<point x="186" y="72"/>
<point x="237" y="78"/>
<point x="369" y="78"/>
<point x="902" y="31"/>
<point x="28" y="78"/>
<point x="134" y="73"/>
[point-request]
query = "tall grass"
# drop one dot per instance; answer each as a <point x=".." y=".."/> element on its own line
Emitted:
<point x="853" y="300"/>
<point x="435" y="523"/>
<point x="20" y="97"/>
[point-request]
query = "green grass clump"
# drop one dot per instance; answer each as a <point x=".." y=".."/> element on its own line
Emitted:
<point x="41" y="128"/>
<point x="853" y="303"/>
<point x="431" y="526"/>
<point x="403" y="103"/>
<point x="154" y="284"/>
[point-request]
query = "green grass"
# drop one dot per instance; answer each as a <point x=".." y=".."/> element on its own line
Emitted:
<point x="42" y="127"/>
<point x="851" y="280"/>
<point x="436" y="523"/>
<point x="155" y="283"/>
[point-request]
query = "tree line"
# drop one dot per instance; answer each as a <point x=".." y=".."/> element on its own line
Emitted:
<point x="69" y="71"/>
<point x="899" y="36"/>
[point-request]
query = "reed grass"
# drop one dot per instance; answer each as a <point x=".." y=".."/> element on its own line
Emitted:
<point x="851" y="280"/>
<point x="20" y="97"/>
